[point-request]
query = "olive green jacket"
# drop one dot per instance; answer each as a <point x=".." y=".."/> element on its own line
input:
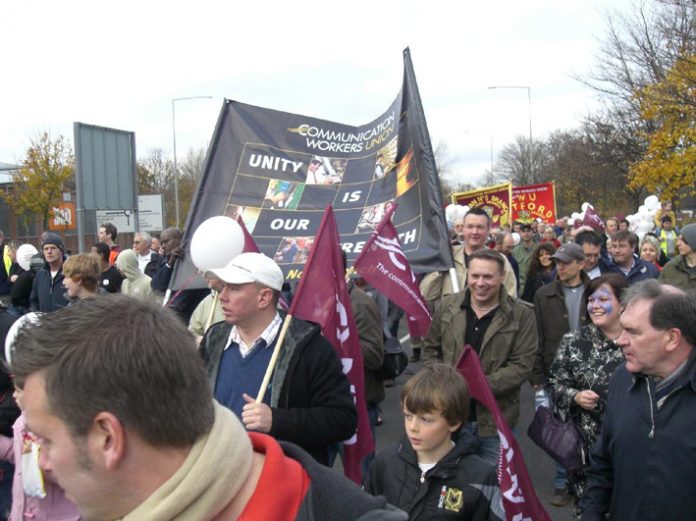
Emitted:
<point x="507" y="351"/>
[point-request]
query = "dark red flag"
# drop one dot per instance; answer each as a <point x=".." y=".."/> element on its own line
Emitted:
<point x="249" y="244"/>
<point x="322" y="297"/>
<point x="592" y="219"/>
<point x="383" y="264"/>
<point x="520" y="502"/>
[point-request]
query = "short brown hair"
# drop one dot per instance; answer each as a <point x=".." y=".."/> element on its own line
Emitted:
<point x="438" y="387"/>
<point x="84" y="268"/>
<point x="152" y="379"/>
<point x="489" y="255"/>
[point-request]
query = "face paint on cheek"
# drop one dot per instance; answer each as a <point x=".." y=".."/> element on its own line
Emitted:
<point x="602" y="299"/>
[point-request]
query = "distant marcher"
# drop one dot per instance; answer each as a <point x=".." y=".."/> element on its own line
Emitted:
<point x="541" y="271"/>
<point x="111" y="279"/>
<point x="148" y="261"/>
<point x="136" y="283"/>
<point x="47" y="291"/>
<point x="183" y="301"/>
<point x="650" y="250"/>
<point x="626" y="262"/>
<point x="107" y="234"/>
<point x="668" y="237"/>
<point x="523" y="252"/>
<point x="681" y="270"/>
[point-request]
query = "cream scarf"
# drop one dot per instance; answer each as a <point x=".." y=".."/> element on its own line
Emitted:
<point x="212" y="474"/>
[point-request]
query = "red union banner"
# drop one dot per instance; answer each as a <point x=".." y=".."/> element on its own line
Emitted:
<point x="496" y="200"/>
<point x="534" y="202"/>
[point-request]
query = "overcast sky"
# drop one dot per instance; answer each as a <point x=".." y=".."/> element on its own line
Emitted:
<point x="120" y="64"/>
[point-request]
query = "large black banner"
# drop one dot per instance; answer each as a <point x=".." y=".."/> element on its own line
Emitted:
<point x="279" y="171"/>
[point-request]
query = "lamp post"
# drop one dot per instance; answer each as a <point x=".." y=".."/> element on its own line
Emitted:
<point x="176" y="167"/>
<point x="529" y="102"/>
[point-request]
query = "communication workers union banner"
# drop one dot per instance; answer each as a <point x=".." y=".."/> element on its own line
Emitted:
<point x="534" y="202"/>
<point x="279" y="171"/>
<point x="496" y="200"/>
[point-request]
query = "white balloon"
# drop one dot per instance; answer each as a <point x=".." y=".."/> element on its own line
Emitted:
<point x="516" y="237"/>
<point x="24" y="254"/>
<point x="461" y="211"/>
<point x="651" y="202"/>
<point x="575" y="216"/>
<point x="643" y="210"/>
<point x="216" y="242"/>
<point x="571" y="221"/>
<point x="450" y="211"/>
<point x="585" y="205"/>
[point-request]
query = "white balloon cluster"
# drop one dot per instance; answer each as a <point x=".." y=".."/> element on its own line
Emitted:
<point x="576" y="217"/>
<point x="643" y="222"/>
<point x="640" y="222"/>
<point x="454" y="212"/>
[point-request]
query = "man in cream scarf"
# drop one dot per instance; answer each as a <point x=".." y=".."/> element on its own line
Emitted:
<point x="129" y="429"/>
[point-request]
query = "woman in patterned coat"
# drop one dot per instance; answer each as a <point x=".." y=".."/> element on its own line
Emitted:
<point x="584" y="363"/>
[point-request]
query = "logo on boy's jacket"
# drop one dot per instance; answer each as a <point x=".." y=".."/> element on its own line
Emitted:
<point x="451" y="499"/>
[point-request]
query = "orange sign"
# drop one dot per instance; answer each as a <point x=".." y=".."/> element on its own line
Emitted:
<point x="63" y="217"/>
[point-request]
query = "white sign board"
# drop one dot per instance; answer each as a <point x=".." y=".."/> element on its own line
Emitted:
<point x="149" y="216"/>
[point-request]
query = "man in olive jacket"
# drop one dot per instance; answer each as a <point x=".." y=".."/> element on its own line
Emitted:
<point x="503" y="332"/>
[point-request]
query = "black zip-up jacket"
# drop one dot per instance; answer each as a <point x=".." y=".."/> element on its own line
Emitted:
<point x="461" y="486"/>
<point x="47" y="294"/>
<point x="310" y="396"/>
<point x="643" y="466"/>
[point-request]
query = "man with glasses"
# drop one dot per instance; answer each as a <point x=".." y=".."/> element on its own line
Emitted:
<point x="148" y="261"/>
<point x="591" y="242"/>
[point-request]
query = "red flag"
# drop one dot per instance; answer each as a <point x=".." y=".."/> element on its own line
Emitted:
<point x="322" y="297"/>
<point x="383" y="264"/>
<point x="249" y="244"/>
<point x="520" y="502"/>
<point x="592" y="219"/>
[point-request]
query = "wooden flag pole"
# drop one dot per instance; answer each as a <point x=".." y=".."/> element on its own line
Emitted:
<point x="274" y="359"/>
<point x="216" y="296"/>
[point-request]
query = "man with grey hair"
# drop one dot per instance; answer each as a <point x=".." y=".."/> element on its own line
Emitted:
<point x="148" y="261"/>
<point x="644" y="461"/>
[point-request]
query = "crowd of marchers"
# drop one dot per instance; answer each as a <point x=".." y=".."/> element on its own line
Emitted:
<point x="115" y="406"/>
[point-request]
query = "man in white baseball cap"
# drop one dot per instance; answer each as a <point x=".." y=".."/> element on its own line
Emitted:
<point x="309" y="401"/>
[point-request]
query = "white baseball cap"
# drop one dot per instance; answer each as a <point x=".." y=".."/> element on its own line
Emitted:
<point x="251" y="267"/>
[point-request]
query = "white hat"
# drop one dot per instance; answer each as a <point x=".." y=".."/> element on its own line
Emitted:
<point x="251" y="267"/>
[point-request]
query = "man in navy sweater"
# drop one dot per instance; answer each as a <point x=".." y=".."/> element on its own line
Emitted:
<point x="308" y="401"/>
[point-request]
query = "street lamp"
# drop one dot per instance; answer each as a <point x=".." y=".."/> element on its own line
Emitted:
<point x="176" y="168"/>
<point x="529" y="101"/>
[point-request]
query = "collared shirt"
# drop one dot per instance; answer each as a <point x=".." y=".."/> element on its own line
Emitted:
<point x="143" y="260"/>
<point x="267" y="336"/>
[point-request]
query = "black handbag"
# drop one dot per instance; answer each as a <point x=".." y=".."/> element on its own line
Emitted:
<point x="559" y="439"/>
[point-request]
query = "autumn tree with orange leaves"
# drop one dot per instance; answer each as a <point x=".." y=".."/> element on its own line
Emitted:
<point x="39" y="184"/>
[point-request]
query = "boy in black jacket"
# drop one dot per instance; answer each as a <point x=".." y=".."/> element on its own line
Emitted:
<point x="429" y="475"/>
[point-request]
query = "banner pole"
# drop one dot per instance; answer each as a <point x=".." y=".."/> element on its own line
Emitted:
<point x="455" y="280"/>
<point x="274" y="359"/>
<point x="216" y="296"/>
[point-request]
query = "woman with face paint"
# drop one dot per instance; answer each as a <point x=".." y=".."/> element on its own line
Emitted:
<point x="584" y="363"/>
